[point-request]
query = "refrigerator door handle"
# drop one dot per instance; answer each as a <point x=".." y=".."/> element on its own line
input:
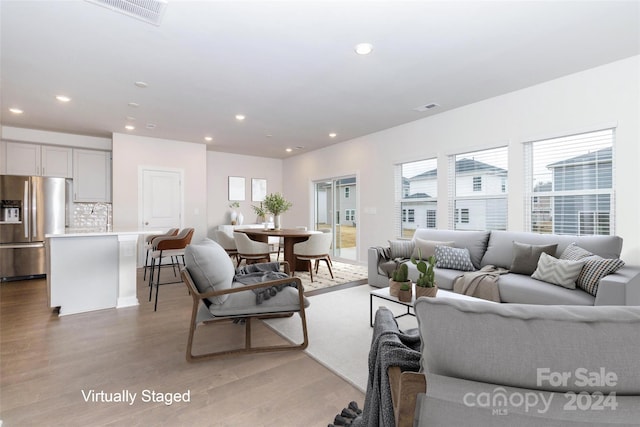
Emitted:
<point x="26" y="212"/>
<point x="34" y="207"/>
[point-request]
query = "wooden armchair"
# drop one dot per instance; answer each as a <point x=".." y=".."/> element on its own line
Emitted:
<point x="233" y="300"/>
<point x="405" y="387"/>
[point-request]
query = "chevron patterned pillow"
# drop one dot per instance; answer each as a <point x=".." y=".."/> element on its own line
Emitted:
<point x="557" y="271"/>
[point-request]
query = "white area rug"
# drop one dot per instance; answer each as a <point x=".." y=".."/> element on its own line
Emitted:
<point x="339" y="330"/>
<point x="342" y="273"/>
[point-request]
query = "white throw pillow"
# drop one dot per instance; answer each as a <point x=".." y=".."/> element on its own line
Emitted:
<point x="558" y="271"/>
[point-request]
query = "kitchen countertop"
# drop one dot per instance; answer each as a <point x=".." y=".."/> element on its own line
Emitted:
<point x="94" y="233"/>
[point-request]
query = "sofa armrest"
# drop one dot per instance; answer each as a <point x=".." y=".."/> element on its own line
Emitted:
<point x="405" y="387"/>
<point x="374" y="277"/>
<point x="620" y="288"/>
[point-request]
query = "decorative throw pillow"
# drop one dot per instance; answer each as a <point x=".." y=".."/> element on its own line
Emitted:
<point x="210" y="268"/>
<point x="453" y="258"/>
<point x="401" y="248"/>
<point x="427" y="248"/>
<point x="558" y="271"/>
<point x="575" y="253"/>
<point x="594" y="269"/>
<point x="525" y="257"/>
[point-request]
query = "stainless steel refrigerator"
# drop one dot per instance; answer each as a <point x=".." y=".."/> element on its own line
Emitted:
<point x="30" y="207"/>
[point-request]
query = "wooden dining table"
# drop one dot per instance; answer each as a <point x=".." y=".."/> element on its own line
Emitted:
<point x="290" y="237"/>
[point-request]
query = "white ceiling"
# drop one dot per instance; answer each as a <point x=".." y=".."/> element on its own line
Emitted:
<point x="290" y="67"/>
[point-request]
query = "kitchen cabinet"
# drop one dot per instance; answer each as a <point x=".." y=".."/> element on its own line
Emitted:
<point x="36" y="160"/>
<point x="91" y="176"/>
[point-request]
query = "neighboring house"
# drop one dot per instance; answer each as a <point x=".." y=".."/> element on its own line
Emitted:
<point x="481" y="198"/>
<point x="582" y="187"/>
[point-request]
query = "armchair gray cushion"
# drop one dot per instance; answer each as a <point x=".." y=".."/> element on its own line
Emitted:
<point x="210" y="267"/>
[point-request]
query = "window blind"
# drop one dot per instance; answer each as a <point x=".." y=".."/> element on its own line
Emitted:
<point x="570" y="184"/>
<point x="416" y="195"/>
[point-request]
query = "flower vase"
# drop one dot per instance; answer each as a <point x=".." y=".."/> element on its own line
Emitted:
<point x="240" y="218"/>
<point x="234" y="217"/>
<point x="276" y="222"/>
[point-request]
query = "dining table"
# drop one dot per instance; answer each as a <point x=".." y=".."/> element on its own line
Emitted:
<point x="290" y="236"/>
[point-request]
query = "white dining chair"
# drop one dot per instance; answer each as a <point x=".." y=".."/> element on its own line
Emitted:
<point x="250" y="250"/>
<point x="315" y="249"/>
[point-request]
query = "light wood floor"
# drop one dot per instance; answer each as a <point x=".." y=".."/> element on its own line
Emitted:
<point x="47" y="362"/>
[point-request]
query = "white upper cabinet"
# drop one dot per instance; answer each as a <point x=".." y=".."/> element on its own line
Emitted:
<point x="91" y="176"/>
<point x="36" y="160"/>
<point x="22" y="159"/>
<point x="57" y="161"/>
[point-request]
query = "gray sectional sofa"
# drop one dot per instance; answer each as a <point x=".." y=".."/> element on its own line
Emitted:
<point x="498" y="248"/>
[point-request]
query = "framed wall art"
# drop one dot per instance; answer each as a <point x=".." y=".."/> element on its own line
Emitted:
<point x="236" y="188"/>
<point x="258" y="189"/>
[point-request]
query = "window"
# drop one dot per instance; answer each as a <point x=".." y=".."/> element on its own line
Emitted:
<point x="478" y="188"/>
<point x="431" y="218"/>
<point x="570" y="184"/>
<point x="349" y="214"/>
<point x="416" y="195"/>
<point x="347" y="191"/>
<point x="477" y="183"/>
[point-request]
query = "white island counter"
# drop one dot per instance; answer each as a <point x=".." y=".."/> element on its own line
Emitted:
<point x="92" y="270"/>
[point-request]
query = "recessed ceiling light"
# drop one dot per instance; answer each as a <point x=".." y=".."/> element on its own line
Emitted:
<point x="364" y="48"/>
<point x="133" y="104"/>
<point x="16" y="110"/>
<point x="240" y="117"/>
<point x="129" y="127"/>
<point x="333" y="135"/>
<point x="288" y="150"/>
<point x="63" y="98"/>
<point x="208" y="138"/>
<point x="141" y="84"/>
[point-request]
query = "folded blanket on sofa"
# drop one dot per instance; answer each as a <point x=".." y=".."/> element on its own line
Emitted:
<point x="389" y="347"/>
<point x="482" y="283"/>
<point x="257" y="273"/>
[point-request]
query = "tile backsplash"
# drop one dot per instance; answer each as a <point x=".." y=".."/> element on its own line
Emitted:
<point x="90" y="217"/>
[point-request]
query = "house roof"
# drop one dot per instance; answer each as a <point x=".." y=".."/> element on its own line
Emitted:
<point x="599" y="156"/>
<point x="462" y="166"/>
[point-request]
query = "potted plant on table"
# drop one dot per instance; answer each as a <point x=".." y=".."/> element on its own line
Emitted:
<point x="426" y="283"/>
<point x="234" y="214"/>
<point x="276" y="204"/>
<point x="405" y="293"/>
<point x="399" y="276"/>
<point x="261" y="213"/>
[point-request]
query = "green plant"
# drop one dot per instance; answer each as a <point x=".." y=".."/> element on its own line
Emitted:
<point x="275" y="203"/>
<point x="259" y="210"/>
<point x="405" y="286"/>
<point x="401" y="273"/>
<point x="234" y="205"/>
<point x="426" y="278"/>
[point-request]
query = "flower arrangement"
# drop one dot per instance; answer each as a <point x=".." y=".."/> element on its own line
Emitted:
<point x="275" y="203"/>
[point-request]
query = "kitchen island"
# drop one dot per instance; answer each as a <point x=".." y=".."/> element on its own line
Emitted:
<point x="89" y="271"/>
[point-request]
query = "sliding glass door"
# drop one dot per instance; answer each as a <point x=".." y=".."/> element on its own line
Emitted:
<point x="335" y="212"/>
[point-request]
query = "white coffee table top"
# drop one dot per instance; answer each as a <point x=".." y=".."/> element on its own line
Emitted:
<point x="384" y="293"/>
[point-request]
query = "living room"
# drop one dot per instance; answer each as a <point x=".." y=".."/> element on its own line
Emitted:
<point x="602" y="95"/>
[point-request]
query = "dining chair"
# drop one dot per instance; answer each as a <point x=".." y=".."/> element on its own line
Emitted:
<point x="149" y="247"/>
<point x="227" y="242"/>
<point x="251" y="251"/>
<point x="316" y="248"/>
<point x="171" y="247"/>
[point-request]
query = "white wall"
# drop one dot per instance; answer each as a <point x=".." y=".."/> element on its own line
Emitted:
<point x="220" y="166"/>
<point x="606" y="95"/>
<point x="130" y="152"/>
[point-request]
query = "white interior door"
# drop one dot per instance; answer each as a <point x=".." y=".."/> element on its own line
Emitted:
<point x="162" y="201"/>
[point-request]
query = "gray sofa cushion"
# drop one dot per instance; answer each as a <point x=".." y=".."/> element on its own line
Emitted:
<point x="242" y="303"/>
<point x="518" y="288"/>
<point x="457" y="402"/>
<point x="518" y="345"/>
<point x="401" y="248"/>
<point x="425" y="248"/>
<point x="453" y="258"/>
<point x="210" y="268"/>
<point x="499" y="250"/>
<point x="526" y="256"/>
<point x="475" y="241"/>
<point x="562" y="272"/>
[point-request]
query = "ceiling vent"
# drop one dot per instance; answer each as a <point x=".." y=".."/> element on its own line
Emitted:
<point x="426" y="107"/>
<point x="150" y="11"/>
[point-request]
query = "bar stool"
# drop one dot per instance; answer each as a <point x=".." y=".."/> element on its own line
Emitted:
<point x="149" y="247"/>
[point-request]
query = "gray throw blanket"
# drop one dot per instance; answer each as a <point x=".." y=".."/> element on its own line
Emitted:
<point x="257" y="273"/>
<point x="389" y="347"/>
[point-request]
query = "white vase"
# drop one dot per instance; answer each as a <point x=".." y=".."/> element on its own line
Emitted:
<point x="240" y="218"/>
<point x="276" y="222"/>
<point x="234" y="217"/>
